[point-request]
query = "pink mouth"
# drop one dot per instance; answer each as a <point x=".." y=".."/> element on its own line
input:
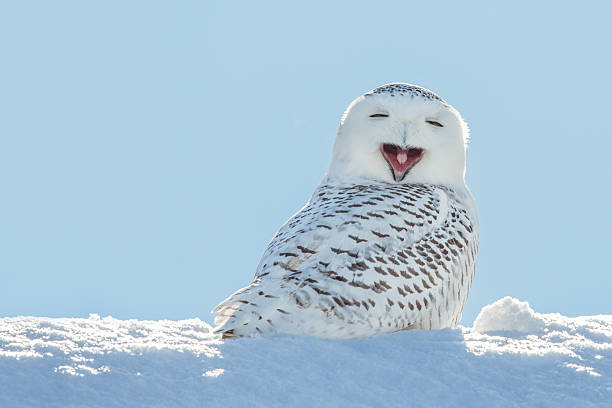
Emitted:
<point x="401" y="160"/>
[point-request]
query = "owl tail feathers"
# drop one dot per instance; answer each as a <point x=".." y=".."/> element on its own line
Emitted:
<point x="228" y="312"/>
<point x="243" y="314"/>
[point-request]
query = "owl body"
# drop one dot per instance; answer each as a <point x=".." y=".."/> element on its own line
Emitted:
<point x="359" y="260"/>
<point x="378" y="248"/>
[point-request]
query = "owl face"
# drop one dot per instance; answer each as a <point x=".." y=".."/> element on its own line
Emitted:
<point x="400" y="133"/>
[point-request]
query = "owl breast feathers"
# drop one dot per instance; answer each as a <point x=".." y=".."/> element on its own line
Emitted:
<point x="361" y="260"/>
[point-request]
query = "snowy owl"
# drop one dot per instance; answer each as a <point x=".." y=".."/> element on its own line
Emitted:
<point x="388" y="241"/>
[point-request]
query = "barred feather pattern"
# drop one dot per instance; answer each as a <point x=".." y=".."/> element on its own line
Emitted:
<point x="359" y="260"/>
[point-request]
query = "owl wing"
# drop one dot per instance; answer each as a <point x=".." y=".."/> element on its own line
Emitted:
<point x="354" y="258"/>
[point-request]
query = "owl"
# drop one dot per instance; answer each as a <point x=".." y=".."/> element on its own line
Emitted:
<point x="388" y="241"/>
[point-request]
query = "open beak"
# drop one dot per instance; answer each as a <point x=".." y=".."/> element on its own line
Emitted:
<point x="401" y="160"/>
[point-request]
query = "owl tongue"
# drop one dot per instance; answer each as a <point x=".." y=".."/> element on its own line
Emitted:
<point x="401" y="160"/>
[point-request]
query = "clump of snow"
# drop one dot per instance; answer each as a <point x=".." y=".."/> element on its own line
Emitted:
<point x="516" y="358"/>
<point x="509" y="314"/>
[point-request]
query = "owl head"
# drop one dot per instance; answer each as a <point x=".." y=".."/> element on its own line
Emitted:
<point x="400" y="133"/>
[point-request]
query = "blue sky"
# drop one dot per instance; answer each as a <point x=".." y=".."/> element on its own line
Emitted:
<point x="150" y="150"/>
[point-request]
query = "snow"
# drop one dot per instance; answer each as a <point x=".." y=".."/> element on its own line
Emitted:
<point x="512" y="356"/>
<point x="509" y="314"/>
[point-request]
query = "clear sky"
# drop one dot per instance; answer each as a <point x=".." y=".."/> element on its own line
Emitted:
<point x="150" y="150"/>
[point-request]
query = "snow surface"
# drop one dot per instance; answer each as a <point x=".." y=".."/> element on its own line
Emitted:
<point x="512" y="357"/>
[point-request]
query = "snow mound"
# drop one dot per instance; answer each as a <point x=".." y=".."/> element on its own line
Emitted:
<point x="509" y="314"/>
<point x="516" y="358"/>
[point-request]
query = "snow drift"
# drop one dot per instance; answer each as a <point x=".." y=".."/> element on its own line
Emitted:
<point x="512" y="356"/>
